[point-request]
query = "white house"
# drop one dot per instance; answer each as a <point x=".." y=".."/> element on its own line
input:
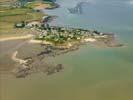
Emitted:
<point x="33" y="24"/>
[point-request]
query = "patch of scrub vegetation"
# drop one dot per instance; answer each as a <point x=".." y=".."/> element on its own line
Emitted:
<point x="41" y="4"/>
<point x="35" y="4"/>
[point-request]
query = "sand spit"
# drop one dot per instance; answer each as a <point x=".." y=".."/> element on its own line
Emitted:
<point x="18" y="60"/>
<point x="24" y="66"/>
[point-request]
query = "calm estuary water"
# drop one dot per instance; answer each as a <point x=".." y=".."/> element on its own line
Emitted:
<point x="91" y="73"/>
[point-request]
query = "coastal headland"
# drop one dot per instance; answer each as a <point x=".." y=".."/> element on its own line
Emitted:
<point x="23" y="22"/>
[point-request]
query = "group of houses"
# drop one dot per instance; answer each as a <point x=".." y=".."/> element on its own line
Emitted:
<point x="58" y="34"/>
<point x="32" y="24"/>
<point x="63" y="34"/>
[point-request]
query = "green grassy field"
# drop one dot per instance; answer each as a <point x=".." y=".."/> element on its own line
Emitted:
<point x="20" y="14"/>
<point x="9" y="16"/>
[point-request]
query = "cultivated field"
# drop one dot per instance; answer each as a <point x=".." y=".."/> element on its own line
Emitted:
<point x="9" y="16"/>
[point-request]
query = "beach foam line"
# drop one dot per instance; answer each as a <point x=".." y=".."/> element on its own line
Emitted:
<point x="16" y="38"/>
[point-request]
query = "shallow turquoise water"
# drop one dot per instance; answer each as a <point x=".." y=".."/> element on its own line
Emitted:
<point x="91" y="73"/>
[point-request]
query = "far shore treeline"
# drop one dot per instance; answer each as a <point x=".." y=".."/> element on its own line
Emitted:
<point x="36" y="0"/>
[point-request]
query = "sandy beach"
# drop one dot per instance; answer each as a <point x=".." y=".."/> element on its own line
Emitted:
<point x="39" y="42"/>
<point x="16" y="38"/>
<point x="90" y="40"/>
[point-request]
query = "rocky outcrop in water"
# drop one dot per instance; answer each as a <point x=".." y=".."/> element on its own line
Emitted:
<point x="52" y="70"/>
<point x="78" y="9"/>
<point x="30" y="65"/>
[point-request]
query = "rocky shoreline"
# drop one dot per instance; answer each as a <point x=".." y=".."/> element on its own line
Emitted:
<point x="29" y="66"/>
